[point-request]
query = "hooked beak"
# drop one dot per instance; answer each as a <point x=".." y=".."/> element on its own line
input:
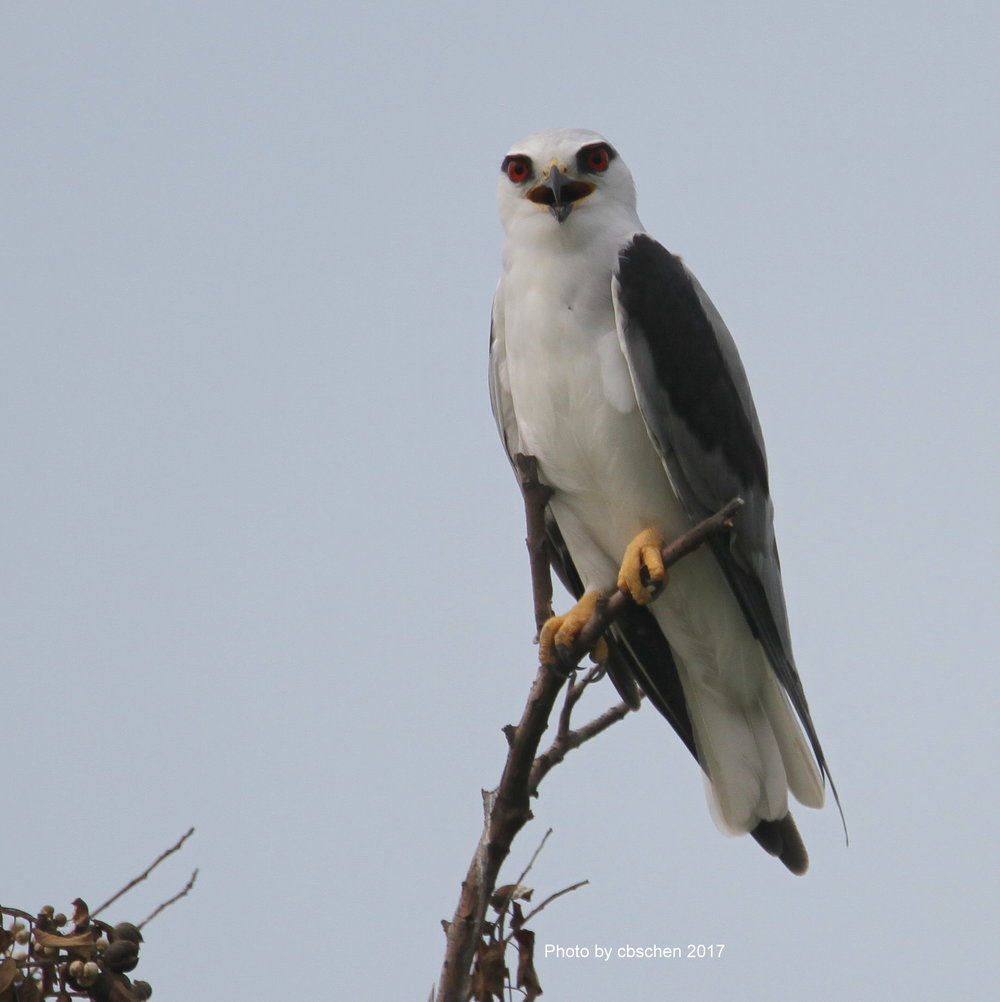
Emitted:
<point x="558" y="183"/>
<point x="560" y="193"/>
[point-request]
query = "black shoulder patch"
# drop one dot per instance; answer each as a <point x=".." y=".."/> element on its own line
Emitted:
<point x="663" y="309"/>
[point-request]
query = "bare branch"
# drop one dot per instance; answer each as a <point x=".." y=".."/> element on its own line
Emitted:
<point x="534" y="856"/>
<point x="506" y="809"/>
<point x="573" y="693"/>
<point x="507" y="812"/>
<point x="166" y="904"/>
<point x="564" y="743"/>
<point x="142" y="876"/>
<point x="552" y="897"/>
<point x="536" y="497"/>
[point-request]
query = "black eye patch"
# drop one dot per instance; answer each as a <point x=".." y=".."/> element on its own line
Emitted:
<point x="517" y="167"/>
<point x="595" y="158"/>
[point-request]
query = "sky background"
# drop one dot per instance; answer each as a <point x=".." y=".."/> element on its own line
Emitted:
<point x="263" y="569"/>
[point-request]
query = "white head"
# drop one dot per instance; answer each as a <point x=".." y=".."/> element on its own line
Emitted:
<point x="566" y="179"/>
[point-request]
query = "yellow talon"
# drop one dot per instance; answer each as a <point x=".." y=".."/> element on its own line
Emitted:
<point x="559" y="633"/>
<point x="643" y="555"/>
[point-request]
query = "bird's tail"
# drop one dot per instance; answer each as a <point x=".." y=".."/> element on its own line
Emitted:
<point x="782" y="839"/>
<point x="752" y="755"/>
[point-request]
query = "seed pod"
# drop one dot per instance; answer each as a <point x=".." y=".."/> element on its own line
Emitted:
<point x="125" y="930"/>
<point x="122" y="955"/>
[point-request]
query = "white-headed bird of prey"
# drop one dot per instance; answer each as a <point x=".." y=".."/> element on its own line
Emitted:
<point x="610" y="365"/>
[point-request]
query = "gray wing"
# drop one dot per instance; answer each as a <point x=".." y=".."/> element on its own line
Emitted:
<point x="695" y="400"/>
<point x="500" y="398"/>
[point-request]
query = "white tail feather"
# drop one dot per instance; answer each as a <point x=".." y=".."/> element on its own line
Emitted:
<point x="745" y="773"/>
<point x="753" y="751"/>
<point x="804" y="778"/>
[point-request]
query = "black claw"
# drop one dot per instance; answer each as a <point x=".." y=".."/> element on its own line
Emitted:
<point x="566" y="666"/>
<point x="598" y="672"/>
<point x="654" y="587"/>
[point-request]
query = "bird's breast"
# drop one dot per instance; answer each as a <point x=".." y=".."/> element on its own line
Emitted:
<point x="576" y="411"/>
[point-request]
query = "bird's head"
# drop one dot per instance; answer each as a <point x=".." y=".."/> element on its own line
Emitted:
<point x="562" y="175"/>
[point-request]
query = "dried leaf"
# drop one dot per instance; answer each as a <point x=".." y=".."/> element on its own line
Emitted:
<point x="120" y="989"/>
<point x="490" y="974"/>
<point x="8" y="971"/>
<point x="526" y="976"/>
<point x="510" y="892"/>
<point x="29" y="991"/>
<point x="501" y="896"/>
<point x="71" y="942"/>
<point x="81" y="914"/>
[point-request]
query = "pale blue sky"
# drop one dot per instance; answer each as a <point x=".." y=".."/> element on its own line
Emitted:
<point x="263" y="561"/>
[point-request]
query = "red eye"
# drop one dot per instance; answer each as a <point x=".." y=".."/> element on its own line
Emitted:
<point x="597" y="159"/>
<point x="518" y="169"/>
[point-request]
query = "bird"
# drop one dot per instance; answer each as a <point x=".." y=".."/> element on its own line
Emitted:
<point x="611" y="366"/>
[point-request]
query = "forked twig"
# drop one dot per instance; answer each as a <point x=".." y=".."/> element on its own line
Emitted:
<point x="142" y="876"/>
<point x="166" y="904"/>
<point x="566" y="741"/>
<point x="552" y="897"/>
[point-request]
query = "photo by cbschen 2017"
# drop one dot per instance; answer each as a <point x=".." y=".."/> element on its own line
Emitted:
<point x="628" y="951"/>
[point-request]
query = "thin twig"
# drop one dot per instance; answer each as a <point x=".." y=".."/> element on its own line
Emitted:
<point x="536" y="497"/>
<point x="551" y="898"/>
<point x="142" y="876"/>
<point x="534" y="856"/>
<point x="573" y="693"/>
<point x="515" y="888"/>
<point x="166" y="904"/>
<point x="564" y="743"/>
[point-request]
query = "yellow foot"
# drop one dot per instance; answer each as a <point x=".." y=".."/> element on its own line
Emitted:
<point x="642" y="574"/>
<point x="558" y="635"/>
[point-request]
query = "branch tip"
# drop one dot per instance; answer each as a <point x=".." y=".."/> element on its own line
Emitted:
<point x="506" y="809"/>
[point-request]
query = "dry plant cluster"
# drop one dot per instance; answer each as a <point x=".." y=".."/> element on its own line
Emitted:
<point x="49" y="956"/>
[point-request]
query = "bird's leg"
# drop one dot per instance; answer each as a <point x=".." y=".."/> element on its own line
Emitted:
<point x="558" y="634"/>
<point x="642" y="574"/>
